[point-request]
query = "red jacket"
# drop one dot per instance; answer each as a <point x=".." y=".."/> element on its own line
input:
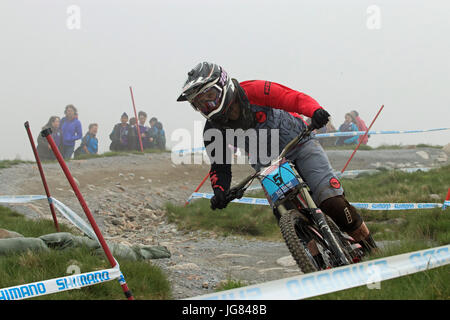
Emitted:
<point x="361" y="127"/>
<point x="274" y="95"/>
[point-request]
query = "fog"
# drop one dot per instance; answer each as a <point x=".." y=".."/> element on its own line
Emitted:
<point x="342" y="53"/>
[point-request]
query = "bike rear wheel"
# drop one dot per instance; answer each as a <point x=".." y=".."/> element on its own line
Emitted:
<point x="299" y="252"/>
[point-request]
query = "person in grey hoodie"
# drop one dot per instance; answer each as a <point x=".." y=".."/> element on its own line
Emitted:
<point x="71" y="131"/>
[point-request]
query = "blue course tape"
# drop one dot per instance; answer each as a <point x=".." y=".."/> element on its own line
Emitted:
<point x="360" y="205"/>
<point x="337" y="134"/>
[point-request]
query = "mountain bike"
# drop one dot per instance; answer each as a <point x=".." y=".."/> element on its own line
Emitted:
<point x="313" y="239"/>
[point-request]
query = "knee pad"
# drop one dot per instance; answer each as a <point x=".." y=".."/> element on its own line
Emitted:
<point x="342" y="213"/>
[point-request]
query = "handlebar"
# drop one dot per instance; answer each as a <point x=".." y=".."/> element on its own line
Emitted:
<point x="238" y="191"/>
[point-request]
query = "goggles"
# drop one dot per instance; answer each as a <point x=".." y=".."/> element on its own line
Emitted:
<point x="208" y="100"/>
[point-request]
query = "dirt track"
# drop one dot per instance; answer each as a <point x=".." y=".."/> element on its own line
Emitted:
<point x="127" y="196"/>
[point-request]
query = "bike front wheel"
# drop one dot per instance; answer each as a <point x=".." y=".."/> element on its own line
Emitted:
<point x="298" y="249"/>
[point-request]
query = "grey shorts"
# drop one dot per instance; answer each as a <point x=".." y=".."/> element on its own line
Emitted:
<point x="313" y="165"/>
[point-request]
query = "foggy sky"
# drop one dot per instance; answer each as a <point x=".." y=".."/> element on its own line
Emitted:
<point x="322" y="48"/>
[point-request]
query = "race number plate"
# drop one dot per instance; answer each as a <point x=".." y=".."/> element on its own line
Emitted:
<point x="278" y="180"/>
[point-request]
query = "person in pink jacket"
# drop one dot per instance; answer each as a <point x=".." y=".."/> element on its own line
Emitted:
<point x="361" y="126"/>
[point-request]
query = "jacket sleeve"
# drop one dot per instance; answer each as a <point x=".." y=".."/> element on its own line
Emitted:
<point x="78" y="131"/>
<point x="274" y="95"/>
<point x="220" y="173"/>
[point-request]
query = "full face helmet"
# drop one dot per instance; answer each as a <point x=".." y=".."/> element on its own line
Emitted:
<point x="209" y="90"/>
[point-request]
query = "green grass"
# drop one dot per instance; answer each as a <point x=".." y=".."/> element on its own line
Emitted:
<point x="144" y="279"/>
<point x="230" y="284"/>
<point x="239" y="219"/>
<point x="117" y="153"/>
<point x="9" y="163"/>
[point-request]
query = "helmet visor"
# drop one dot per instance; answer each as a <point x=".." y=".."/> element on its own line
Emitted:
<point x="208" y="100"/>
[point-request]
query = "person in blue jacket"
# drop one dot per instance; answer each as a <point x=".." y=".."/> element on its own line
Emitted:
<point x="347" y="126"/>
<point x="71" y="131"/>
<point x="89" y="143"/>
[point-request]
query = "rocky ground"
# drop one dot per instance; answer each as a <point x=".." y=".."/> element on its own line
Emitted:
<point x="127" y="195"/>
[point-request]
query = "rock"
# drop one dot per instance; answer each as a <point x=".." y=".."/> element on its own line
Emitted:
<point x="442" y="157"/>
<point x="286" y="261"/>
<point x="185" y="266"/>
<point x="117" y="222"/>
<point x="6" y="234"/>
<point x="121" y="175"/>
<point x="142" y="178"/>
<point x="149" y="180"/>
<point x="435" y="196"/>
<point x="231" y="255"/>
<point x="446" y="148"/>
<point x="260" y="262"/>
<point x="270" y="269"/>
<point x="423" y="155"/>
<point x="205" y="285"/>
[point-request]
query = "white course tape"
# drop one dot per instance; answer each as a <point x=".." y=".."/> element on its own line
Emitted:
<point x="74" y="218"/>
<point x="337" y="279"/>
<point x="360" y="205"/>
<point x="45" y="287"/>
<point x="336" y="134"/>
<point x="20" y="199"/>
<point x="70" y="215"/>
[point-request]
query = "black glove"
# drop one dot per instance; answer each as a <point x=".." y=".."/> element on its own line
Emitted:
<point x="319" y="118"/>
<point x="219" y="201"/>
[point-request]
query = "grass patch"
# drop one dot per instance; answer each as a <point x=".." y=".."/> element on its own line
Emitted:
<point x="144" y="279"/>
<point x="9" y="163"/>
<point x="240" y="219"/>
<point x="116" y="154"/>
<point x="15" y="221"/>
<point x="230" y="284"/>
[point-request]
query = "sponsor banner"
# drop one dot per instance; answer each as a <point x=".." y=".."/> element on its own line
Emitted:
<point x="337" y="279"/>
<point x="360" y="205"/>
<point x="56" y="285"/>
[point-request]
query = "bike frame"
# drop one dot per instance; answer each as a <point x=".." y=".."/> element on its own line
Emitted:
<point x="298" y="197"/>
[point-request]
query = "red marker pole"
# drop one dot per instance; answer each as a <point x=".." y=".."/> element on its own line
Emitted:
<point x="47" y="134"/>
<point x="137" y="120"/>
<point x="41" y="172"/>
<point x="361" y="140"/>
<point x="199" y="186"/>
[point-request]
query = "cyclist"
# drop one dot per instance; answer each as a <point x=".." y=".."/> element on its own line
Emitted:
<point x="258" y="104"/>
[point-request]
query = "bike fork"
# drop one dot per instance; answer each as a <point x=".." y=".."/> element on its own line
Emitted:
<point x="319" y="218"/>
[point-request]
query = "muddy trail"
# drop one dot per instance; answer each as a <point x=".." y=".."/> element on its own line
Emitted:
<point x="127" y="195"/>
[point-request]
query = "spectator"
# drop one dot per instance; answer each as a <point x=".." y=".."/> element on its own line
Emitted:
<point x="347" y="126"/>
<point x="119" y="135"/>
<point x="153" y="133"/>
<point x="142" y="116"/>
<point x="44" y="150"/>
<point x="361" y="127"/>
<point x="133" y="139"/>
<point x="89" y="143"/>
<point x="71" y="131"/>
<point x="161" y="137"/>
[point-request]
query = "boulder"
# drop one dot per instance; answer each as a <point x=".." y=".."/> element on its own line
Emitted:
<point x="5" y="234"/>
<point x="151" y="252"/>
<point x="18" y="245"/>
